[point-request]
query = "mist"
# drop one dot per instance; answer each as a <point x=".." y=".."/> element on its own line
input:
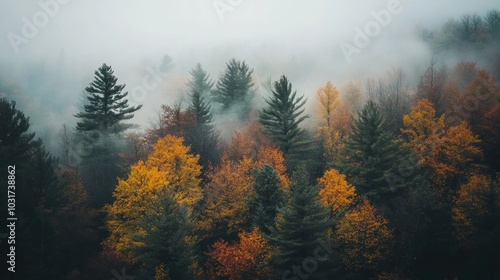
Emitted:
<point x="47" y="73"/>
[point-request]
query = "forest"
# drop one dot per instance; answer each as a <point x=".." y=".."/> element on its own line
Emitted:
<point x="381" y="179"/>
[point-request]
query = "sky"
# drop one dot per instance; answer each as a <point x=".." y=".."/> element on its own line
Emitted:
<point x="50" y="48"/>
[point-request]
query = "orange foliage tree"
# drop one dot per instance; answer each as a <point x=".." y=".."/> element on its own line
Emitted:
<point x="246" y="259"/>
<point x="169" y="167"/>
<point x="471" y="205"/>
<point x="227" y="211"/>
<point x="447" y="152"/>
<point x="336" y="193"/>
<point x="365" y="236"/>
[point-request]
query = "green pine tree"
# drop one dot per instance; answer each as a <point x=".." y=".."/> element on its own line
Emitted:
<point x="200" y="85"/>
<point x="235" y="87"/>
<point x="374" y="160"/>
<point x="301" y="227"/>
<point x="282" y="117"/>
<point x="166" y="240"/>
<point x="107" y="106"/>
<point x="268" y="197"/>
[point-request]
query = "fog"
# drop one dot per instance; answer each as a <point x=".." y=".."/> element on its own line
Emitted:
<point x="46" y="74"/>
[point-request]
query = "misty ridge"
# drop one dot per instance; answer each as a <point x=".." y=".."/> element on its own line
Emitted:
<point x="229" y="139"/>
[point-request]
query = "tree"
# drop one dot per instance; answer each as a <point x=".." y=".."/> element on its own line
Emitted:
<point x="234" y="87"/>
<point x="170" y="168"/>
<point x="328" y="97"/>
<point x="200" y="85"/>
<point x="107" y="106"/>
<point x="282" y="117"/>
<point x="165" y="240"/>
<point x="226" y="209"/>
<point x="268" y="196"/>
<point x="299" y="224"/>
<point x="470" y="207"/>
<point x="447" y="153"/>
<point x="373" y="157"/>
<point x="15" y="138"/>
<point x="335" y="192"/>
<point x="246" y="259"/>
<point x="101" y="123"/>
<point x="365" y="238"/>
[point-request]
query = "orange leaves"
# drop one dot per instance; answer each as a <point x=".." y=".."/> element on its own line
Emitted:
<point x="470" y="205"/>
<point x="227" y="193"/>
<point x="246" y="259"/>
<point x="365" y="236"/>
<point x="335" y="192"/>
<point x="446" y="152"/>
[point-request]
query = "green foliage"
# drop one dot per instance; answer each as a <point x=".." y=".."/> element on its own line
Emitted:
<point x="373" y="156"/>
<point x="268" y="196"/>
<point x="200" y="86"/>
<point x="282" y="117"/>
<point x="235" y="87"/>
<point x="107" y="105"/>
<point x="166" y="240"/>
<point x="298" y="226"/>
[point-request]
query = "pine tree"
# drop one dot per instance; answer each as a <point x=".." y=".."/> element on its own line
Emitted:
<point x="375" y="162"/>
<point x="107" y="106"/>
<point x="166" y="240"/>
<point x="282" y="117"/>
<point x="268" y="196"/>
<point x="234" y="87"/>
<point x="100" y="128"/>
<point x="200" y="86"/>
<point x="301" y="226"/>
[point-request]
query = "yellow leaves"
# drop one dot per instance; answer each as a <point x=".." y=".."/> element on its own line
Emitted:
<point x="421" y="124"/>
<point x="365" y="236"/>
<point x="470" y="205"/>
<point x="274" y="158"/>
<point x="169" y="167"/>
<point x="246" y="259"/>
<point x="328" y="97"/>
<point x="230" y="186"/>
<point x="335" y="192"/>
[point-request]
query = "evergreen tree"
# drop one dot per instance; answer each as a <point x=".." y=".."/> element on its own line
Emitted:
<point x="201" y="134"/>
<point x="301" y="227"/>
<point x="234" y="87"/>
<point x="107" y="106"/>
<point x="268" y="196"/>
<point x="101" y="126"/>
<point x="282" y="117"/>
<point x="166" y="244"/>
<point x="374" y="160"/>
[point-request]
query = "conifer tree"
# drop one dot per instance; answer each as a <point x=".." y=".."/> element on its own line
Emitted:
<point x="301" y="226"/>
<point x="374" y="160"/>
<point x="200" y="85"/>
<point x="235" y="87"/>
<point x="282" y="117"/>
<point x="101" y="125"/>
<point x="267" y="198"/>
<point x="166" y="243"/>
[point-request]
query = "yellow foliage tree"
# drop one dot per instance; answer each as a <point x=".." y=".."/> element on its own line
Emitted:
<point x="328" y="97"/>
<point x="169" y="167"/>
<point x="247" y="259"/>
<point x="336" y="193"/>
<point x="365" y="236"/>
<point x="471" y="205"/>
